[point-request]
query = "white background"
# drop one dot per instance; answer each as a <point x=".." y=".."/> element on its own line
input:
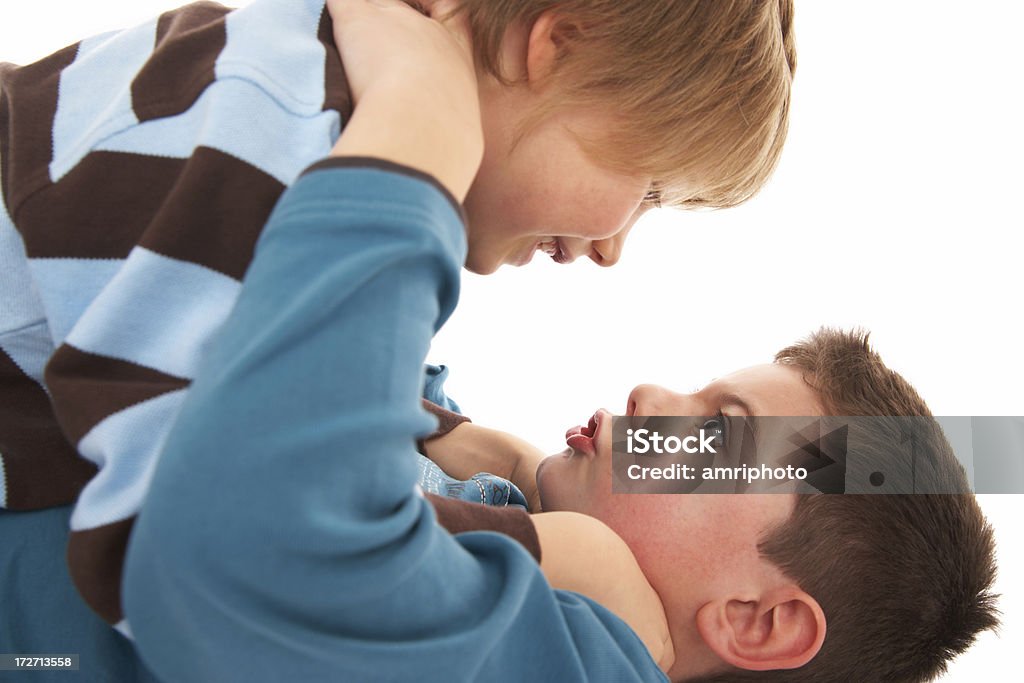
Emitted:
<point x="894" y="208"/>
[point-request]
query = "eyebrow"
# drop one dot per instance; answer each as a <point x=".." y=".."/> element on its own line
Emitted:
<point x="733" y="399"/>
<point x="729" y="398"/>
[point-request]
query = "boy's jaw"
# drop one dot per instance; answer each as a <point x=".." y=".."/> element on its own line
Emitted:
<point x="692" y="548"/>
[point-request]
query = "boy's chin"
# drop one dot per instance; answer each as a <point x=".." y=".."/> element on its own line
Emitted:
<point x="481" y="264"/>
<point x="548" y="489"/>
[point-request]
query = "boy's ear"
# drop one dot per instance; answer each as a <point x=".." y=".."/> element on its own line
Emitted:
<point x="784" y="629"/>
<point x="549" y="40"/>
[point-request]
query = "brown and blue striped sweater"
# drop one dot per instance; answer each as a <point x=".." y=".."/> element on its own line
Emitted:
<point x="137" y="170"/>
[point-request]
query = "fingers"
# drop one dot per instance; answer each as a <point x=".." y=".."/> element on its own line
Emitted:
<point x="339" y="7"/>
<point x="445" y="12"/>
<point x="397" y="61"/>
<point x="419" y="7"/>
<point x="349" y="10"/>
<point x="442" y="9"/>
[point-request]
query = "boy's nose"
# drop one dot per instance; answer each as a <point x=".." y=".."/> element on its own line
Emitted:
<point x="647" y="399"/>
<point x="606" y="252"/>
<point x="651" y="399"/>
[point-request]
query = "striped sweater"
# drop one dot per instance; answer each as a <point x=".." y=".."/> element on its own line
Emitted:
<point x="137" y="169"/>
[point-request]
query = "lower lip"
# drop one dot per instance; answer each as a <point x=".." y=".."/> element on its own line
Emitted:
<point x="580" y="442"/>
<point x="560" y="256"/>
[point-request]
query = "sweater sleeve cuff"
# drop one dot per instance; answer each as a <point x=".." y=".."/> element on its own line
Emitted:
<point x="446" y="422"/>
<point x="459" y="516"/>
<point x="390" y="167"/>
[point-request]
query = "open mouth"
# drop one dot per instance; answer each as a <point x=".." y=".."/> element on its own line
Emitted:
<point x="582" y="439"/>
<point x="552" y="246"/>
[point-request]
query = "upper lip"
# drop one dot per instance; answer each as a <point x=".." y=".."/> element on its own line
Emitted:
<point x="592" y="428"/>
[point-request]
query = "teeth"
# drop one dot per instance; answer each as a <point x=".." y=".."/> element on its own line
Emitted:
<point x="549" y="246"/>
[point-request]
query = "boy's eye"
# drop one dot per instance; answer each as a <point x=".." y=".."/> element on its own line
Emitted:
<point x="717" y="426"/>
<point x="653" y="198"/>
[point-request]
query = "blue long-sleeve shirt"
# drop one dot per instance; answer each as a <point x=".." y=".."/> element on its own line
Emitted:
<point x="283" y="537"/>
<point x="137" y="170"/>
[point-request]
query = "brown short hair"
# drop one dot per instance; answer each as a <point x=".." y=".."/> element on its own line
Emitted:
<point x="904" y="580"/>
<point x="700" y="88"/>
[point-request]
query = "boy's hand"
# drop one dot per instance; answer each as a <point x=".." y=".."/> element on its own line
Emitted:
<point x="414" y="86"/>
<point x="469" y="449"/>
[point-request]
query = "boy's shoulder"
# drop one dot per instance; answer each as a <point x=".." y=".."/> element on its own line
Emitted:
<point x="263" y="83"/>
<point x="570" y="544"/>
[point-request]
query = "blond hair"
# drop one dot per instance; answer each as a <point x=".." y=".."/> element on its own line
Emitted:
<point x="699" y="89"/>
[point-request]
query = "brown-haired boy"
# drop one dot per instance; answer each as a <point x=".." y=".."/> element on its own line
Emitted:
<point x="770" y="587"/>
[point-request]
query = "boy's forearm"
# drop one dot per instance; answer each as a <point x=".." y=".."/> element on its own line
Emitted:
<point x="469" y="449"/>
<point x="415" y="88"/>
<point x="525" y="477"/>
<point x="378" y="128"/>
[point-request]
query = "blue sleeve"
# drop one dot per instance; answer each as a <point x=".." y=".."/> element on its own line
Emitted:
<point x="283" y="537"/>
<point x="433" y="387"/>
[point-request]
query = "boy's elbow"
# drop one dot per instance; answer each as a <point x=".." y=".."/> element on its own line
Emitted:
<point x="153" y="567"/>
<point x="162" y="590"/>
